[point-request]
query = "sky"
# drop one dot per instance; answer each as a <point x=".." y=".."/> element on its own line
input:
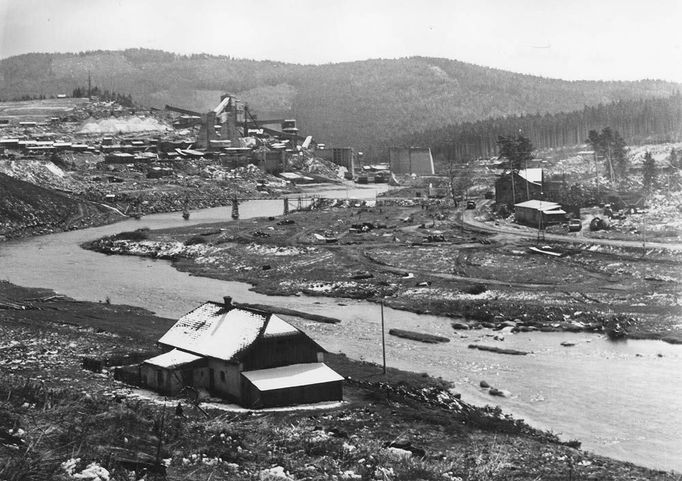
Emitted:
<point x="568" y="39"/>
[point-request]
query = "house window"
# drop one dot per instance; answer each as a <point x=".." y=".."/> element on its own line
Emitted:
<point x="222" y="376"/>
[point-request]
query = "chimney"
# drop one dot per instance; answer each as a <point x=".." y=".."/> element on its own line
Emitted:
<point x="227" y="300"/>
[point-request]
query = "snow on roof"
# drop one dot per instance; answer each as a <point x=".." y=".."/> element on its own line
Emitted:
<point x="542" y="205"/>
<point x="292" y="376"/>
<point x="278" y="327"/>
<point x="213" y="331"/>
<point x="172" y="359"/>
<point x="532" y="175"/>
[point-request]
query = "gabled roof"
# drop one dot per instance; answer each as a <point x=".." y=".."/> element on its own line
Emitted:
<point x="213" y="330"/>
<point x="292" y="376"/>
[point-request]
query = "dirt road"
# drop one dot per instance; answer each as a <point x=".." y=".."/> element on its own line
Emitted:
<point x="527" y="233"/>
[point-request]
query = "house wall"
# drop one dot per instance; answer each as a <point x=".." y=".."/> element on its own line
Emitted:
<point x="527" y="215"/>
<point x="164" y="381"/>
<point x="280" y="351"/>
<point x="531" y="217"/>
<point x="254" y="398"/>
<point x="201" y="379"/>
<point x="552" y="189"/>
<point x="226" y="379"/>
<point x="522" y="189"/>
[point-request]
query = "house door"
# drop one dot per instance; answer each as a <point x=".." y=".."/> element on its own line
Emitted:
<point x="211" y="380"/>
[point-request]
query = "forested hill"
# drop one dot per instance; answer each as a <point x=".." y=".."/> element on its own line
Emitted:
<point x="363" y="103"/>
<point x="650" y="120"/>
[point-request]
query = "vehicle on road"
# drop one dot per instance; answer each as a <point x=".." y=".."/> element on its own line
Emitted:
<point x="574" y="225"/>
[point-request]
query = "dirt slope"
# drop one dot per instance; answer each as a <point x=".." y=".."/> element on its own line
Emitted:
<point x="27" y="209"/>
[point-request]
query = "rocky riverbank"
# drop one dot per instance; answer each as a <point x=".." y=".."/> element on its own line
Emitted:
<point x="405" y="256"/>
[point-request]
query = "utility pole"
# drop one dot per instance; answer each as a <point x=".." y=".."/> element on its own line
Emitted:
<point x="525" y="164"/>
<point x="513" y="181"/>
<point x="643" y="233"/>
<point x="596" y="175"/>
<point x="383" y="336"/>
<point x="541" y="229"/>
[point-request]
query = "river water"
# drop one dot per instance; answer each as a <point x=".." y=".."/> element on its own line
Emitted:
<point x="622" y="400"/>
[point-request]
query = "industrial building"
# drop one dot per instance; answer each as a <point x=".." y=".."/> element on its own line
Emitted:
<point x="411" y="160"/>
<point x="244" y="355"/>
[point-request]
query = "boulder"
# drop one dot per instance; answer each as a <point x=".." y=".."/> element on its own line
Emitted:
<point x="498" y="392"/>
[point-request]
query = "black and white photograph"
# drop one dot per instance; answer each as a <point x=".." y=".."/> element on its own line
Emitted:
<point x="337" y="240"/>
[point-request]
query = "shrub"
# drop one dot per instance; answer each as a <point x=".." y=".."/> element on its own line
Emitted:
<point x="195" y="240"/>
<point x="475" y="289"/>
<point x="135" y="235"/>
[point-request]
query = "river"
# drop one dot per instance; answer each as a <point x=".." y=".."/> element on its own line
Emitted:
<point x="622" y="400"/>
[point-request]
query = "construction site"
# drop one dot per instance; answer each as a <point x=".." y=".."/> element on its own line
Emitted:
<point x="137" y="162"/>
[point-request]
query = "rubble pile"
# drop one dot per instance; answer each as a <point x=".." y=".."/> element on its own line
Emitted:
<point x="661" y="218"/>
<point x="121" y="125"/>
<point x="306" y="162"/>
<point x="41" y="172"/>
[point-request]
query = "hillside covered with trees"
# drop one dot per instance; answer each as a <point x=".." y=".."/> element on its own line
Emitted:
<point x="638" y="120"/>
<point x="367" y="104"/>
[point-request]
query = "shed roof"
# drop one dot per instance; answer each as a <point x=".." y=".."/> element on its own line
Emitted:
<point x="292" y="376"/>
<point x="172" y="359"/>
<point x="215" y="331"/>
<point x="542" y="205"/>
<point x="532" y="175"/>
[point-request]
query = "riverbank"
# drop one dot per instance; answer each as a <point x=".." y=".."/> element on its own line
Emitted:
<point x="415" y="258"/>
<point x="63" y="412"/>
